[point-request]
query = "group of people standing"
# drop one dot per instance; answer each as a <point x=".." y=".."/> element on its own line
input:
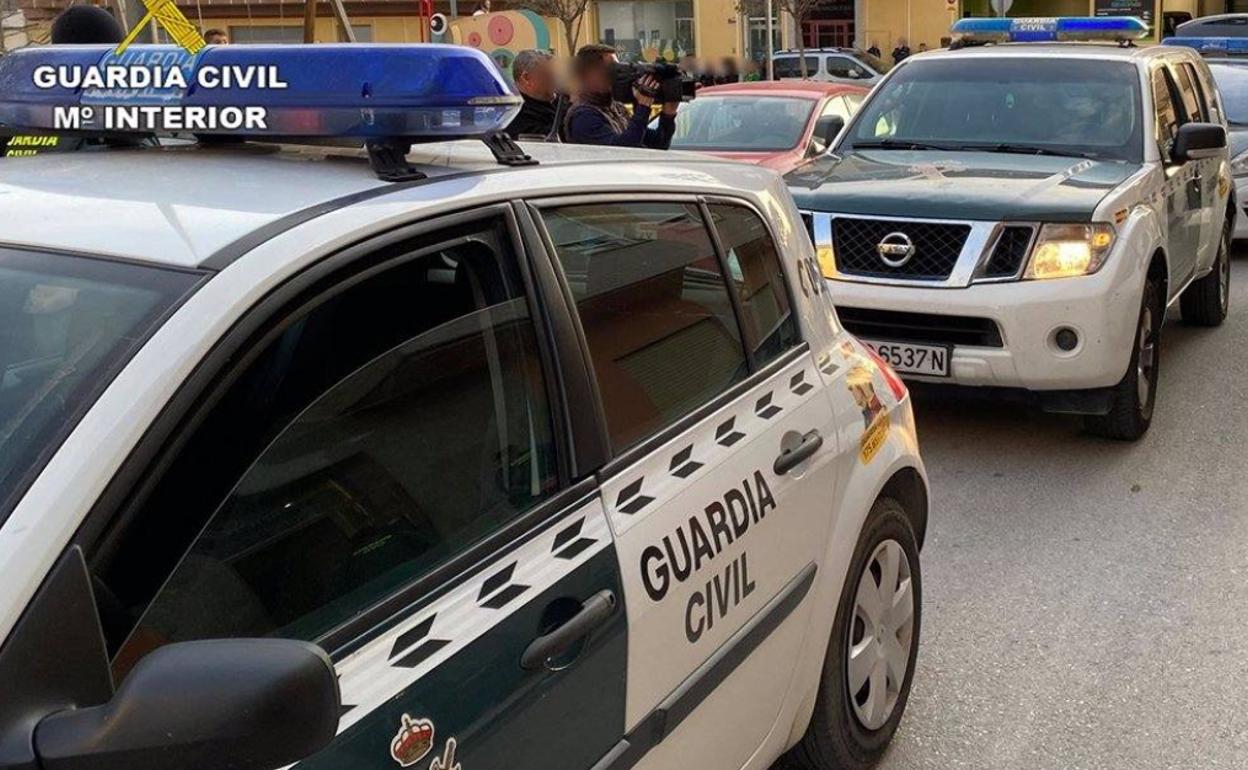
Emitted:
<point x="900" y="53"/>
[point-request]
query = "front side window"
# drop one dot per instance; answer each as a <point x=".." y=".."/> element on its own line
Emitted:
<point x="66" y="325"/>
<point x="1167" y="114"/>
<point x="1188" y="95"/>
<point x="756" y="276"/>
<point x="655" y="309"/>
<point x="844" y="67"/>
<point x="394" y="425"/>
<point x="1054" y="106"/>
<point x="742" y="122"/>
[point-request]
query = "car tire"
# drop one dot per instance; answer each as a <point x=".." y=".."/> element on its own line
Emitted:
<point x="1134" y="397"/>
<point x="847" y="730"/>
<point x="1205" y="302"/>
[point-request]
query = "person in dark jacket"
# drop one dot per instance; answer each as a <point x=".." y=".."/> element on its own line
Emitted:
<point x="901" y="52"/>
<point x="534" y="74"/>
<point x="596" y="118"/>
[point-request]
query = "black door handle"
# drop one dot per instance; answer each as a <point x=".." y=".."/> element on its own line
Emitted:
<point x="595" y="611"/>
<point x="791" y="458"/>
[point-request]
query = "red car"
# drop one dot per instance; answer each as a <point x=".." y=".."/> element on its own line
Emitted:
<point x="774" y="124"/>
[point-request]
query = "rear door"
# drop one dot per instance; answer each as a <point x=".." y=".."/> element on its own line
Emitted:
<point x="704" y="384"/>
<point x="389" y="475"/>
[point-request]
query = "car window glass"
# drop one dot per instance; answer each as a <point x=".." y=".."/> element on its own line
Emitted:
<point x="655" y="309"/>
<point x="1187" y="94"/>
<point x="395" y="424"/>
<point x="837" y="106"/>
<point x="1188" y="73"/>
<point x="757" y="278"/>
<point x="1166" y="114"/>
<point x="844" y="67"/>
<point x="791" y="67"/>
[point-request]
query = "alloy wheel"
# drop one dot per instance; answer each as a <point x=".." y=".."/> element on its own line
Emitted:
<point x="880" y="635"/>
<point x="1146" y="364"/>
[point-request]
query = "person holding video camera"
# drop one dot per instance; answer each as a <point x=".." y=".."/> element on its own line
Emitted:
<point x="599" y="117"/>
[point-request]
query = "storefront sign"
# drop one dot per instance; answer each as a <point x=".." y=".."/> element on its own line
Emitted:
<point x="1140" y="8"/>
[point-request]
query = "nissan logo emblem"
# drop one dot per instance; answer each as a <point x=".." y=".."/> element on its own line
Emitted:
<point x="895" y="249"/>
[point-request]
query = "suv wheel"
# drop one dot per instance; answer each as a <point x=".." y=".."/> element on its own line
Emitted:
<point x="1131" y="407"/>
<point x="1205" y="302"/>
<point x="869" y="664"/>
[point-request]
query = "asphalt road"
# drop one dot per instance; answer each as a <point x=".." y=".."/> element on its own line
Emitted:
<point x="1084" y="601"/>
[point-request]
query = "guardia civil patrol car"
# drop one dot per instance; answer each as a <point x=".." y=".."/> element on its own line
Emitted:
<point x="469" y="457"/>
<point x="1020" y="215"/>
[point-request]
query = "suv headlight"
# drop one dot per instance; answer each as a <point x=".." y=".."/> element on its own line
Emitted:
<point x="1063" y="251"/>
<point x="1239" y="165"/>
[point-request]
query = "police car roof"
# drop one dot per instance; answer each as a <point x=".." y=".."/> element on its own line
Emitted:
<point x="184" y="205"/>
<point x="1070" y="50"/>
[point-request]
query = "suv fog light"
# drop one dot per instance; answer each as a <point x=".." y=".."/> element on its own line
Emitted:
<point x="1066" y="338"/>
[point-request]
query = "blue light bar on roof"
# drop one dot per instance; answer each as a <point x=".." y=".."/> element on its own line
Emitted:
<point x="1050" y="29"/>
<point x="1212" y="46"/>
<point x="348" y="90"/>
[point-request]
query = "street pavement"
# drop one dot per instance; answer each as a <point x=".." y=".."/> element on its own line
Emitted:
<point x="1084" y="601"/>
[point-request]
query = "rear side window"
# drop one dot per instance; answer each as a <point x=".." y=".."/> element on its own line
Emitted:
<point x="757" y="278"/>
<point x="791" y="67"/>
<point x="655" y="309"/>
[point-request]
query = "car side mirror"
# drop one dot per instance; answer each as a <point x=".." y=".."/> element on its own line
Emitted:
<point x="244" y="704"/>
<point x="1196" y="141"/>
<point x="828" y="127"/>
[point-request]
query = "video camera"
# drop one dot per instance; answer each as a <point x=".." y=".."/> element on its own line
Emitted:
<point x="674" y="86"/>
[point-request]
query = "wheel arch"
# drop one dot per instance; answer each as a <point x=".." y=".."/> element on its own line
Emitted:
<point x="1159" y="269"/>
<point x="906" y="487"/>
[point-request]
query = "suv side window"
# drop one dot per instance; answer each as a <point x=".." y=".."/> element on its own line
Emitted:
<point x="844" y="67"/>
<point x="1167" y="115"/>
<point x="1192" y="108"/>
<point x="1187" y="74"/>
<point x="791" y="66"/>
<point x="655" y="309"/>
<point x="757" y="279"/>
<point x="386" y="429"/>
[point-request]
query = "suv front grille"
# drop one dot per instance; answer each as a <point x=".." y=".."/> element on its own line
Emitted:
<point x="921" y="328"/>
<point x="1008" y="253"/>
<point x="936" y="248"/>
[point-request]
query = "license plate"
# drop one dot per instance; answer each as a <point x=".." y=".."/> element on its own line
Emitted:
<point x="907" y="358"/>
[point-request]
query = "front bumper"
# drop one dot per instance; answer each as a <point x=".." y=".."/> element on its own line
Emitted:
<point x="1103" y="309"/>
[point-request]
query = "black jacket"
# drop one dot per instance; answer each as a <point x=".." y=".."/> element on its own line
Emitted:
<point x="536" y="117"/>
<point x="605" y="122"/>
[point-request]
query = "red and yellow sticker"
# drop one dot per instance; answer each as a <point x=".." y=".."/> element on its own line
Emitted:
<point x="873" y="439"/>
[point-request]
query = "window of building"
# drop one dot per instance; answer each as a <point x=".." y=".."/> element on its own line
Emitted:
<point x="647" y="30"/>
<point x="398" y="422"/>
<point x="655" y="309"/>
<point x="757" y="278"/>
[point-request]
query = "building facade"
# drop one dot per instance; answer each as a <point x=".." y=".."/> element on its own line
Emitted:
<point x="646" y="29"/>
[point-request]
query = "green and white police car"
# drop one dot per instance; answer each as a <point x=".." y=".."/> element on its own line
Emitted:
<point x="1021" y="215"/>
<point x="468" y="459"/>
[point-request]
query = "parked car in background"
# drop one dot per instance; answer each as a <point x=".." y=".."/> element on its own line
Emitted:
<point x="829" y="65"/>
<point x="1221" y="25"/>
<point x="775" y="125"/>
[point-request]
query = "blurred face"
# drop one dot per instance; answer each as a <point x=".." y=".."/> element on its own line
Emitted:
<point x="539" y="82"/>
<point x="216" y="38"/>
<point x="597" y="79"/>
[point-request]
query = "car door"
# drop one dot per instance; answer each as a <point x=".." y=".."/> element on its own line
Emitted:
<point x="387" y="473"/>
<point x="722" y="469"/>
<point x="1197" y="109"/>
<point x="1182" y="188"/>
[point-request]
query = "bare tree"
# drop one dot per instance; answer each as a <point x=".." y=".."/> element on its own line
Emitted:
<point x="570" y="13"/>
<point x="799" y="10"/>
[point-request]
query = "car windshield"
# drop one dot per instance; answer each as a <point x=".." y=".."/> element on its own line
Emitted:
<point x="1056" y="106"/>
<point x="1232" y="80"/>
<point x="66" y="326"/>
<point x="742" y="122"/>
